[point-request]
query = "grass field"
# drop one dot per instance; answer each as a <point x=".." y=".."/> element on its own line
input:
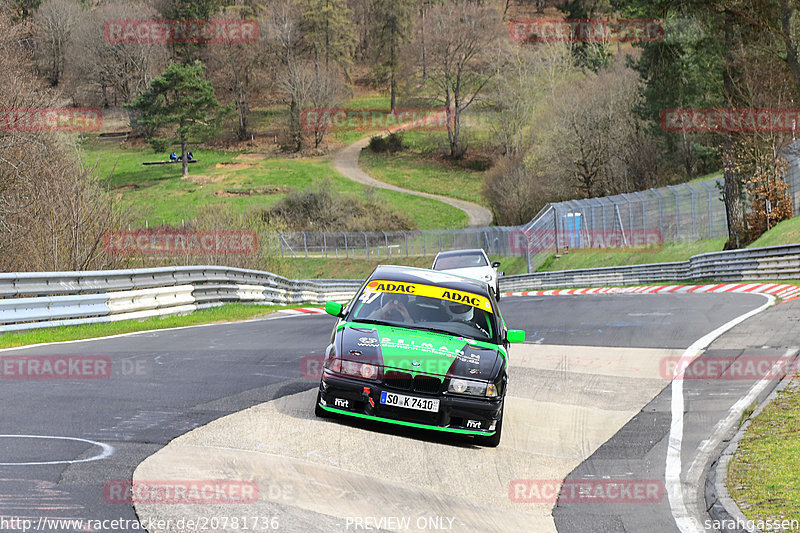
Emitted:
<point x="595" y="258"/>
<point x="224" y="313"/>
<point x="763" y="475"/>
<point x="785" y="232"/>
<point x="244" y="181"/>
<point x="416" y="168"/>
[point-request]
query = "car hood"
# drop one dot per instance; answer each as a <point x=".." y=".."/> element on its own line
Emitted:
<point x="473" y="272"/>
<point x="416" y="351"/>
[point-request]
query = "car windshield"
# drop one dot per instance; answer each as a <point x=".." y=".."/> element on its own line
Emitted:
<point x="465" y="260"/>
<point x="427" y="307"/>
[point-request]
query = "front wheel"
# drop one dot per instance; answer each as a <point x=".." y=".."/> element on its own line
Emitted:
<point x="493" y="441"/>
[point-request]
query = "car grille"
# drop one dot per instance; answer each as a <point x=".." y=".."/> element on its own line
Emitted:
<point x="398" y="380"/>
<point x="404" y="381"/>
<point x="427" y="384"/>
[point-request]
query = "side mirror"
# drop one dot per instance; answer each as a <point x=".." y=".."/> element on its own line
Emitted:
<point x="496" y="264"/>
<point x="333" y="308"/>
<point x="515" y="336"/>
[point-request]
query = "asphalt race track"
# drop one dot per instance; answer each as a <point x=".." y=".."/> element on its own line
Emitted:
<point x="588" y="399"/>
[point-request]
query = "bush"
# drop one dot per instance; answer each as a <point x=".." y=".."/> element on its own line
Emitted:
<point x="319" y="208"/>
<point x="392" y="143"/>
<point x="377" y="144"/>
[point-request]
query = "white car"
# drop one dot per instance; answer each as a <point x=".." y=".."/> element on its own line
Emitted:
<point x="473" y="264"/>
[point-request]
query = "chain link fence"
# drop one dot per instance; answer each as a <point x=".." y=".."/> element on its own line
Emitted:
<point x="686" y="212"/>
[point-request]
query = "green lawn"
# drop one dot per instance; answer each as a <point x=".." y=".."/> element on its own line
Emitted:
<point x="596" y="258"/>
<point x="416" y="168"/>
<point x="241" y="180"/>
<point x="224" y="313"/>
<point x="786" y="232"/>
<point x="763" y="474"/>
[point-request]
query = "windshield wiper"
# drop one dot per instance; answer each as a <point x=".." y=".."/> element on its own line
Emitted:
<point x="372" y="321"/>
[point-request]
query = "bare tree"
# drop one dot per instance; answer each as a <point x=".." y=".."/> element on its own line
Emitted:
<point x="114" y="72"/>
<point x="460" y="43"/>
<point x="591" y="139"/>
<point x="516" y="194"/>
<point x="285" y="44"/>
<point x="53" y="23"/>
<point x="526" y="78"/>
<point x="311" y="86"/>
<point x="53" y="212"/>
<point x="237" y="69"/>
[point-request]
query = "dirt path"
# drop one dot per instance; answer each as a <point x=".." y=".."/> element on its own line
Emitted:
<point x="346" y="163"/>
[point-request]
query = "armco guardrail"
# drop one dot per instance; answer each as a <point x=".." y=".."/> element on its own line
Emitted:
<point x="37" y="300"/>
<point x="757" y="264"/>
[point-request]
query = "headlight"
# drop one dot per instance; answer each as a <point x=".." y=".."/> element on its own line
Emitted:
<point x="469" y="387"/>
<point x="353" y="368"/>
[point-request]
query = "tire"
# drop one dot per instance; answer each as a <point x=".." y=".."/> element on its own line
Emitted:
<point x="319" y="411"/>
<point x="493" y="441"/>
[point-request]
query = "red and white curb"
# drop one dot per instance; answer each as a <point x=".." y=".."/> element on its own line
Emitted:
<point x="783" y="291"/>
<point x="304" y="311"/>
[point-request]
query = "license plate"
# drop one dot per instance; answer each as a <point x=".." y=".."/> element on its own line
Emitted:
<point x="409" y="402"/>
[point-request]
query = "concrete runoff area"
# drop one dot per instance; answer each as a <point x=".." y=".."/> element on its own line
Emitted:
<point x="558" y="412"/>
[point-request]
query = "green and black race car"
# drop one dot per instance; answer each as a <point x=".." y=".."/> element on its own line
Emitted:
<point x="419" y="348"/>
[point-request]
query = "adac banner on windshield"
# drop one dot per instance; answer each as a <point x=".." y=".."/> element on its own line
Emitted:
<point x="430" y="291"/>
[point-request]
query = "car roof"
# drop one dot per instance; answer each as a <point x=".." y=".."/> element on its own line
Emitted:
<point x="471" y="251"/>
<point x="430" y="277"/>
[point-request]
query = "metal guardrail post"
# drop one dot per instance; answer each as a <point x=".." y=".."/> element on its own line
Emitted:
<point x="644" y="211"/>
<point x="602" y="214"/>
<point x="630" y="213"/>
<point x="345" y="245"/>
<point x="405" y="235"/>
<point x="440" y="239"/>
<point x="710" y="210"/>
<point x="386" y="240"/>
<point x="660" y="213"/>
<point x="366" y="244"/>
<point x="694" y="212"/>
<point x="305" y="244"/>
<point x="677" y="213"/>
<point x="325" y="242"/>
<point x="280" y="241"/>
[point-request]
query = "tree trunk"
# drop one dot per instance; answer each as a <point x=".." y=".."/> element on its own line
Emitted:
<point x="244" y="110"/>
<point x="393" y="82"/>
<point x="184" y="160"/>
<point x="733" y="187"/>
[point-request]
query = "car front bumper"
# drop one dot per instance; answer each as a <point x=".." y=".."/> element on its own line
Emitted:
<point x="456" y="414"/>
